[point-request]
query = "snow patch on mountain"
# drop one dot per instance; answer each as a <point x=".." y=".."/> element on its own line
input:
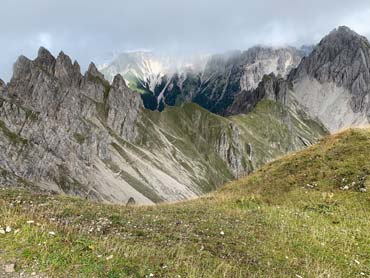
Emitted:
<point x="149" y="68"/>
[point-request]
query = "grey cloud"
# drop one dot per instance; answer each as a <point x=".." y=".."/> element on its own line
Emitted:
<point x="88" y="29"/>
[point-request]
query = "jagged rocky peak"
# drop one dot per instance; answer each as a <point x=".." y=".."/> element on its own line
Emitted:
<point x="65" y="71"/>
<point x="333" y="82"/>
<point x="341" y="57"/>
<point x="271" y="87"/>
<point x="60" y="67"/>
<point x="228" y="75"/>
<point x="46" y="60"/>
<point x="94" y="72"/>
<point x="119" y="82"/>
<point x="21" y="67"/>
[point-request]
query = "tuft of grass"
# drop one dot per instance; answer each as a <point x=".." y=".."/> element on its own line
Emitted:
<point x="80" y="138"/>
<point x="294" y="217"/>
<point x="13" y="137"/>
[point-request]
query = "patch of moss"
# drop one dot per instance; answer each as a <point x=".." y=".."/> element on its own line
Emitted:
<point x="80" y="138"/>
<point x="13" y="137"/>
<point x="31" y="115"/>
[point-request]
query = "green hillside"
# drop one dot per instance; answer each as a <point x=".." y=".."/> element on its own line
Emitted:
<point x="305" y="215"/>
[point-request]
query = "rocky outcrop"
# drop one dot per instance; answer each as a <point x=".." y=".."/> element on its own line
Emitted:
<point x="333" y="82"/>
<point x="124" y="107"/>
<point x="53" y="127"/>
<point x="67" y="73"/>
<point x="271" y="87"/>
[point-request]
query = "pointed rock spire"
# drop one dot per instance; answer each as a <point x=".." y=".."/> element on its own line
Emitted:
<point x="342" y="57"/>
<point x="46" y="60"/>
<point x="93" y="72"/>
<point x="65" y="71"/>
<point x="76" y="67"/>
<point x="2" y="85"/>
<point x="119" y="82"/>
<point x="21" y="68"/>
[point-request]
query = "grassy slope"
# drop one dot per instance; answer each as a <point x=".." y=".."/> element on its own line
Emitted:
<point x="273" y="223"/>
<point x="194" y="135"/>
<point x="274" y="130"/>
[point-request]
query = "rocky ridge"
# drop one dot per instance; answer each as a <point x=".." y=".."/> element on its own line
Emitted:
<point x="212" y="86"/>
<point x="271" y="87"/>
<point x="78" y="134"/>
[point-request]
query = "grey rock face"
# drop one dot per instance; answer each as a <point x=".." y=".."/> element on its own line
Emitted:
<point x="271" y="87"/>
<point x="2" y="86"/>
<point x="342" y="58"/>
<point x="124" y="107"/>
<point x="53" y="121"/>
<point x="67" y="73"/>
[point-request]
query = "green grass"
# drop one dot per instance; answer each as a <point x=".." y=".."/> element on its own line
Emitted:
<point x="291" y="218"/>
<point x="80" y="138"/>
<point x="13" y="137"/>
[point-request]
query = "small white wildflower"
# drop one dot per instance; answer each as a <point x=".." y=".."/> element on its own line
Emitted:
<point x="8" y="229"/>
<point x="222" y="233"/>
<point x="52" y="233"/>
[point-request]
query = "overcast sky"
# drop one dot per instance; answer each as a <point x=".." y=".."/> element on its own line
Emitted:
<point x="89" y="29"/>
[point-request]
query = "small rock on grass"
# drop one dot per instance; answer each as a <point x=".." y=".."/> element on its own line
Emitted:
<point x="9" y="268"/>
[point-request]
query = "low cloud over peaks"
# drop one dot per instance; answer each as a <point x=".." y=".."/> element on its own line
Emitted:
<point x="88" y="29"/>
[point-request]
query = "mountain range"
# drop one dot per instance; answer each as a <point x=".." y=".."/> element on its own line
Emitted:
<point x="152" y="130"/>
<point x="210" y="80"/>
